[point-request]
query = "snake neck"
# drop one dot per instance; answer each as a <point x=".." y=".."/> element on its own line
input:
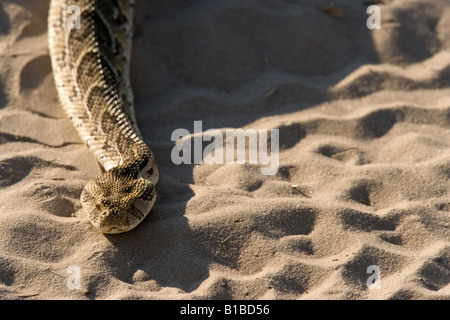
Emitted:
<point x="91" y="69"/>
<point x="97" y="55"/>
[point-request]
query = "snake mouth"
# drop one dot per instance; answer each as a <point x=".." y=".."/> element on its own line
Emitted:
<point x="112" y="229"/>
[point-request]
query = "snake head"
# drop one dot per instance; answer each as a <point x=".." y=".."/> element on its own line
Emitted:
<point x="116" y="202"/>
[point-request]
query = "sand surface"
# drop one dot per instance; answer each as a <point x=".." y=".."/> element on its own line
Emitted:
<point x="364" y="160"/>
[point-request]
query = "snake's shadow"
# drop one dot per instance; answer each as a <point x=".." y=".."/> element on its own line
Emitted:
<point x="163" y="251"/>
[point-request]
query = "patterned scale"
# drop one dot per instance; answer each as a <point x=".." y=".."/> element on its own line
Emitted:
<point x="91" y="69"/>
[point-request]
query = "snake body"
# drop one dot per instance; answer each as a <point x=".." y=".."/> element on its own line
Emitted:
<point x="90" y="64"/>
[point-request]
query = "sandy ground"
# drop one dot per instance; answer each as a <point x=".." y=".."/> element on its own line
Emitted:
<point x="364" y="136"/>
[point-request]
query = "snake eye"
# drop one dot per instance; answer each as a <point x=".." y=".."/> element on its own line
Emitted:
<point x="98" y="207"/>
